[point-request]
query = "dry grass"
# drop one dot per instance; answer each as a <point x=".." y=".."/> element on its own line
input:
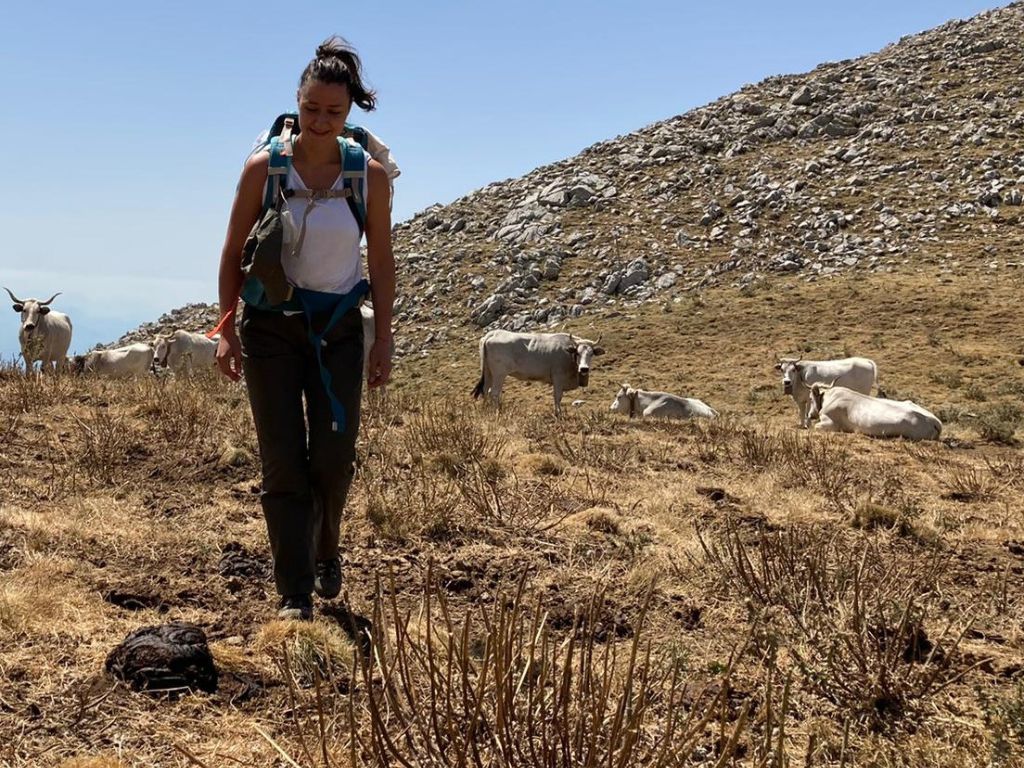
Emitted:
<point x="534" y="590"/>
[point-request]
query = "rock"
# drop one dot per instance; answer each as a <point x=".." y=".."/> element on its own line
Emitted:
<point x="802" y="97"/>
<point x="612" y="283"/>
<point x="171" y="658"/>
<point x="636" y="273"/>
<point x="490" y="310"/>
<point x="667" y="280"/>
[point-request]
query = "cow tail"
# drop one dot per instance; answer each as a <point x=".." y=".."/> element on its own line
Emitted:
<point x="479" y="388"/>
<point x="878" y="384"/>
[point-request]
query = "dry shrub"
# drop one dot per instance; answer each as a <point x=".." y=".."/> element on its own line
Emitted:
<point x="449" y="427"/>
<point x="500" y="688"/>
<point x="584" y="449"/>
<point x="403" y="502"/>
<point x="824" y="464"/>
<point x="602" y="520"/>
<point x="406" y="495"/>
<point x="105" y="446"/>
<point x="304" y="651"/>
<point x="714" y="438"/>
<point x="1007" y="470"/>
<point x="998" y="423"/>
<point x="29" y="602"/>
<point x="32" y="392"/>
<point x="1004" y="716"/>
<point x="453" y="447"/>
<point x="889" y="502"/>
<point x="969" y="484"/>
<point x="851" y="614"/>
<point x="182" y="411"/>
<point x="870" y="515"/>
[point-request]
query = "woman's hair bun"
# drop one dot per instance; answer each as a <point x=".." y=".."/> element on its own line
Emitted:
<point x="331" y="48"/>
<point x="337" y="62"/>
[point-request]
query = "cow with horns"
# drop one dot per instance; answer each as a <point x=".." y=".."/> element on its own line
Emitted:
<point x="45" y="334"/>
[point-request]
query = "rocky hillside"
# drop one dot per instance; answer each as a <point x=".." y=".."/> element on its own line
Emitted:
<point x="905" y="157"/>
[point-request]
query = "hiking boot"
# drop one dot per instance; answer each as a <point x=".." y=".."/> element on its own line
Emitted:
<point x="327" y="582"/>
<point x="297" y="607"/>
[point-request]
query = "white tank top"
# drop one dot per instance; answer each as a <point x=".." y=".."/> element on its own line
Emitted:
<point x="329" y="259"/>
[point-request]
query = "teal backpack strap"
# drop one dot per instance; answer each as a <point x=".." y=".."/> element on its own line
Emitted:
<point x="277" y="172"/>
<point x="357" y="133"/>
<point x="280" y="147"/>
<point x="353" y="174"/>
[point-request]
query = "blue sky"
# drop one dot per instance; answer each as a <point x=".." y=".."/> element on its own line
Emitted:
<point x="126" y="123"/>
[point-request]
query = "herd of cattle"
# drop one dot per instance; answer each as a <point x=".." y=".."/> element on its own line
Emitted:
<point x="835" y="392"/>
<point x="45" y="337"/>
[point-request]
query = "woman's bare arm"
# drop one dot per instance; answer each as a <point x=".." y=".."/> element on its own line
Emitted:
<point x="244" y="212"/>
<point x="381" y="263"/>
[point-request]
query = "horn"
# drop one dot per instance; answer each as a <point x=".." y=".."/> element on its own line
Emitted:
<point x="13" y="297"/>
<point x="598" y="340"/>
<point x="44" y="303"/>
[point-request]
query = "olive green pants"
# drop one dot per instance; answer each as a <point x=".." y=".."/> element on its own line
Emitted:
<point x="307" y="468"/>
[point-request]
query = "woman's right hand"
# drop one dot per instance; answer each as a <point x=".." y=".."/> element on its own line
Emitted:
<point x="229" y="356"/>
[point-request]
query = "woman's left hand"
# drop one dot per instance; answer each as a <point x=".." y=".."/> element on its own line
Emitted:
<point x="378" y="371"/>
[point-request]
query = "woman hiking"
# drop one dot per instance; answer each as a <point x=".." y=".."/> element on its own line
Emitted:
<point x="308" y="351"/>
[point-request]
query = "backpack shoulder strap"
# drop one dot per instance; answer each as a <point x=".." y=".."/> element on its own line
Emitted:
<point x="353" y="174"/>
<point x="358" y="134"/>
<point x="280" y="161"/>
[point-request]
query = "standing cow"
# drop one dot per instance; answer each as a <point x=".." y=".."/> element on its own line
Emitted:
<point x="183" y="350"/>
<point x="659" y="405"/>
<point x="45" y="335"/>
<point x="840" y="409"/>
<point x="856" y="373"/>
<point x="560" y="359"/>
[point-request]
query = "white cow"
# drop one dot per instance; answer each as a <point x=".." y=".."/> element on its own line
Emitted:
<point x="45" y="335"/>
<point x="560" y="359"/>
<point x="856" y="373"/>
<point x="840" y="409"/>
<point x="644" y="403"/>
<point x="121" y="362"/>
<point x="183" y="350"/>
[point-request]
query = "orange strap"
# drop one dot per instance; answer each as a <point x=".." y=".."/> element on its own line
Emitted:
<point x="228" y="315"/>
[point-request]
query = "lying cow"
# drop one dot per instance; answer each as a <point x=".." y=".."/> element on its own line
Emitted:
<point x="856" y="373"/>
<point x="560" y="359"/>
<point x="45" y="335"/>
<point x="659" y="405"/>
<point x="119" y="363"/>
<point x="183" y="350"/>
<point x="840" y="409"/>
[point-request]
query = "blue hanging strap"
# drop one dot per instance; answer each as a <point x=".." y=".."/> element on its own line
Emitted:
<point x="317" y="302"/>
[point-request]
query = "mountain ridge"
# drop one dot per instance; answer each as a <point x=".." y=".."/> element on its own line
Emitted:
<point x="897" y="158"/>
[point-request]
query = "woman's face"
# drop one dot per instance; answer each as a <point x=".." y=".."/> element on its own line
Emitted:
<point x="323" y="108"/>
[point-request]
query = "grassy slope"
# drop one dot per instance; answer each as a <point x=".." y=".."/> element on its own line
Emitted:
<point x="130" y="488"/>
